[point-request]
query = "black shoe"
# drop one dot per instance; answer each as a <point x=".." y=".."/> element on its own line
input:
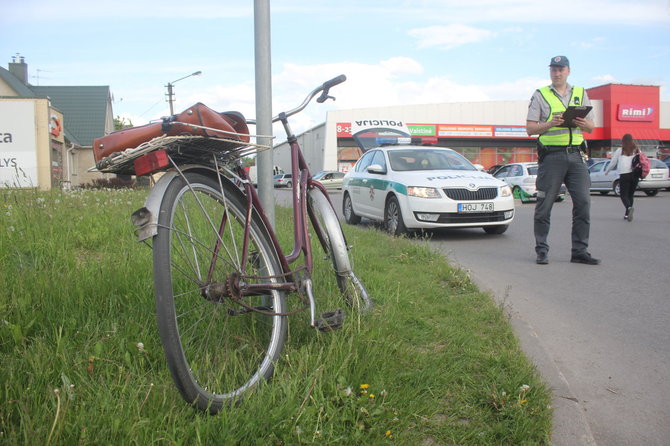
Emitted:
<point x="585" y="258"/>
<point x="629" y="213"/>
<point x="542" y="259"/>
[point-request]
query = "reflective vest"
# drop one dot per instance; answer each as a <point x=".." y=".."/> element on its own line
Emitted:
<point x="561" y="136"/>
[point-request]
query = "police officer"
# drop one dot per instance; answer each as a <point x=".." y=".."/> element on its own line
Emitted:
<point x="562" y="159"/>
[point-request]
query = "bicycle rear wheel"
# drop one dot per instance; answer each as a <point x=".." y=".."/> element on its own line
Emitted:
<point x="325" y="219"/>
<point x="217" y="345"/>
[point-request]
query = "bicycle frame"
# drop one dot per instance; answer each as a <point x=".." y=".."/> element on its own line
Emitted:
<point x="301" y="241"/>
<point x="301" y="214"/>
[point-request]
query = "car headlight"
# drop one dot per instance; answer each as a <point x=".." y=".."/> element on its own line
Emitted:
<point x="505" y="191"/>
<point x="423" y="192"/>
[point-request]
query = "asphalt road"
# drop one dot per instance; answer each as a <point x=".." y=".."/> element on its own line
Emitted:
<point x="598" y="334"/>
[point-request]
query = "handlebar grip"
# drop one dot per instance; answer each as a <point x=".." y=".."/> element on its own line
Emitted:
<point x="325" y="88"/>
<point x="334" y="81"/>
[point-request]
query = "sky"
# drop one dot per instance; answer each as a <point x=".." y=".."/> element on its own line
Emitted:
<point x="393" y="52"/>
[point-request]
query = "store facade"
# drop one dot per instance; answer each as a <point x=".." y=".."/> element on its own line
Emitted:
<point x="490" y="133"/>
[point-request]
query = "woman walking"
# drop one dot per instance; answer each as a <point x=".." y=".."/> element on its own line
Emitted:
<point x="622" y="160"/>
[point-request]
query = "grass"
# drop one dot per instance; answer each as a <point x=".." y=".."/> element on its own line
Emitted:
<point x="436" y="364"/>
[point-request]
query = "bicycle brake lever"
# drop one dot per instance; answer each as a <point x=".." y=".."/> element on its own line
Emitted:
<point x="324" y="97"/>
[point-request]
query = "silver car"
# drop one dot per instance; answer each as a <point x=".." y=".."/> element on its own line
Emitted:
<point x="657" y="179"/>
<point x="330" y="179"/>
<point x="521" y="178"/>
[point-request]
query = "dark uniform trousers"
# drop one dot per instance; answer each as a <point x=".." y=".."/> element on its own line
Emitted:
<point x="558" y="166"/>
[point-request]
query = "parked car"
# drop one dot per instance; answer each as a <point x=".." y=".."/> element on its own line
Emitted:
<point x="330" y="179"/>
<point x="657" y="179"/>
<point x="494" y="168"/>
<point x="283" y="180"/>
<point x="521" y="178"/>
<point x="666" y="161"/>
<point x="413" y="187"/>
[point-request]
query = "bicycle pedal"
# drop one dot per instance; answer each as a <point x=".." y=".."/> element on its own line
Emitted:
<point x="330" y="320"/>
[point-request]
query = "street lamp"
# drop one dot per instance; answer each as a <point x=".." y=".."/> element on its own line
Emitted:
<point x="170" y="93"/>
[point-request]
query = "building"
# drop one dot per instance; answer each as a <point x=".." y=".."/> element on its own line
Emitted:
<point x="487" y="133"/>
<point x="47" y="132"/>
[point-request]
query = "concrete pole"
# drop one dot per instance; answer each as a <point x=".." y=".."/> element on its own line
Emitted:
<point x="264" y="159"/>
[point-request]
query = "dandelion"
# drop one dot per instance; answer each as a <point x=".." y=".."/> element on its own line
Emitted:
<point x="372" y="396"/>
<point x="524" y="388"/>
<point x="364" y="386"/>
<point x="348" y="391"/>
<point x="140" y="347"/>
<point x="388" y="434"/>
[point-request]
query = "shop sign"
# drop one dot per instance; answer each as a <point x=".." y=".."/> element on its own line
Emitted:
<point x="18" y="156"/>
<point x="421" y="129"/>
<point x="378" y="126"/>
<point x="479" y="131"/>
<point x="635" y="112"/>
<point x="510" y="132"/>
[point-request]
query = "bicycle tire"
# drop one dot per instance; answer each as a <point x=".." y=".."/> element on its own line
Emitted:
<point x="215" y="349"/>
<point x="323" y="215"/>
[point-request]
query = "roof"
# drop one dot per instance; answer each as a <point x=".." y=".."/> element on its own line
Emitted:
<point x="84" y="109"/>
<point x="19" y="87"/>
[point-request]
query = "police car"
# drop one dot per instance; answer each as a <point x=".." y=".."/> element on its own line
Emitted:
<point x="409" y="187"/>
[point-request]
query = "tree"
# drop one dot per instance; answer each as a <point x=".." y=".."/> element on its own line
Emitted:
<point x="121" y="123"/>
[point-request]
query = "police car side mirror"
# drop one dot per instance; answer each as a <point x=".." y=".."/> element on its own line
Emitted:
<point x="376" y="168"/>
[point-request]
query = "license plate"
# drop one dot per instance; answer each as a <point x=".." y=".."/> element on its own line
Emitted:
<point x="656" y="175"/>
<point x="474" y="207"/>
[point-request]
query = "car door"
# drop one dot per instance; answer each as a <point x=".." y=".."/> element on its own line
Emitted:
<point x="357" y="186"/>
<point x="503" y="172"/>
<point x="377" y="185"/>
<point x="326" y="180"/>
<point x="599" y="179"/>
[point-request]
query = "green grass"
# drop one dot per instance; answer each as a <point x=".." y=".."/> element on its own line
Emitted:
<point x="436" y="364"/>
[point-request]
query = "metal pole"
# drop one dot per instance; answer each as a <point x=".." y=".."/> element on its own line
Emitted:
<point x="264" y="159"/>
<point x="170" y="94"/>
<point x="170" y="98"/>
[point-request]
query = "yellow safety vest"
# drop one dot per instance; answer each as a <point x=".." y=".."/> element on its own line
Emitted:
<point x="561" y="136"/>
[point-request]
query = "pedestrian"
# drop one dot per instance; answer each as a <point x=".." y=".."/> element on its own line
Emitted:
<point x="561" y="160"/>
<point x="622" y="160"/>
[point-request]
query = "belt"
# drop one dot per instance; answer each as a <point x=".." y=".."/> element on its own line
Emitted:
<point x="568" y="149"/>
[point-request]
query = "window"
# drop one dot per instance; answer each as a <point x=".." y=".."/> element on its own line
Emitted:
<point x="365" y="161"/>
<point x="503" y="172"/>
<point x="379" y="159"/>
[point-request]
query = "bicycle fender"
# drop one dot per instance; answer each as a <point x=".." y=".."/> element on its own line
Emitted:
<point x="333" y="227"/>
<point x="146" y="218"/>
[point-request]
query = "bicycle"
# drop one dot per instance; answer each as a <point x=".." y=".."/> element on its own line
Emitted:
<point x="221" y="278"/>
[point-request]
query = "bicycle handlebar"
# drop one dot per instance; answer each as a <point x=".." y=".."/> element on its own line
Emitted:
<point x="327" y="85"/>
<point x="324" y="89"/>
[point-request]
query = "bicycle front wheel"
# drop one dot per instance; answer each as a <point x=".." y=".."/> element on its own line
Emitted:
<point x="218" y="343"/>
<point x="325" y="222"/>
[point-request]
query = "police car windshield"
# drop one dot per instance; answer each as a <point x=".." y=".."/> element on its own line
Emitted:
<point x="427" y="159"/>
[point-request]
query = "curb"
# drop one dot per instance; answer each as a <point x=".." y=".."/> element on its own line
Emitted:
<point x="570" y="427"/>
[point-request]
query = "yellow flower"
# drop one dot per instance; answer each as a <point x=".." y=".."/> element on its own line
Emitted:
<point x="365" y="386"/>
<point x="388" y="434"/>
<point x="372" y="395"/>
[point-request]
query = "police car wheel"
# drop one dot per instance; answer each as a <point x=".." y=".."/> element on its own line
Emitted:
<point x="348" y="210"/>
<point x="393" y="218"/>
